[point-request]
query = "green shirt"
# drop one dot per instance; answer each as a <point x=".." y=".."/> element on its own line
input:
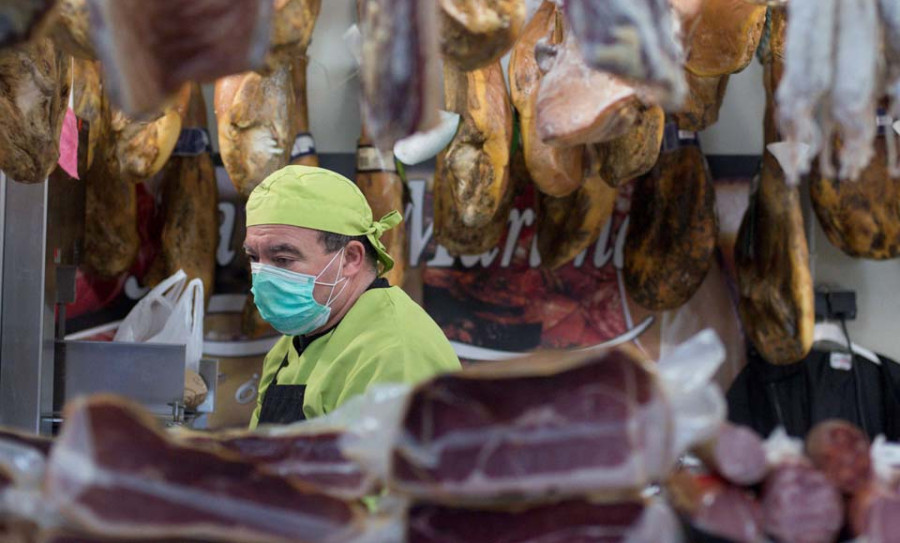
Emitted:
<point x="384" y="338"/>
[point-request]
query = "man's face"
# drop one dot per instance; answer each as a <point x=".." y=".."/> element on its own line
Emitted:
<point x="295" y="249"/>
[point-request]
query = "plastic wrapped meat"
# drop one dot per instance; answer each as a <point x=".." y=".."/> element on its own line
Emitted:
<point x="309" y="456"/>
<point x="113" y="473"/>
<point x="633" y="154"/>
<point x="634" y="39"/>
<point x="567" y="226"/>
<point x="855" y="88"/>
<point x="476" y="33"/>
<point x="476" y="163"/>
<point x="800" y="505"/>
<point x="397" y="103"/>
<point x="21" y="19"/>
<point x="561" y="424"/>
<point x="150" y="49"/>
<point x="71" y="29"/>
<point x="254" y="114"/>
<point x="725" y="37"/>
<point x="673" y="227"/>
<point x="578" y="105"/>
<point x="574" y="521"/>
<point x="736" y="454"/>
<point x="861" y="218"/>
<point x="34" y="89"/>
<point x="809" y="73"/>
<point x="556" y="171"/>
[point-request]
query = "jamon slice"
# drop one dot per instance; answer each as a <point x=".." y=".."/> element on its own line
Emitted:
<point x="774" y="281"/>
<point x="716" y="508"/>
<point x="673" y="228"/>
<point x="568" y="225"/>
<point x="573" y="521"/>
<point x="808" y="76"/>
<point x="71" y="29"/>
<point x="861" y="218"/>
<point x="190" y="201"/>
<point x="561" y="424"/>
<point x="34" y="89"/>
<point x="384" y="189"/>
<point x="399" y="102"/>
<point x="144" y="147"/>
<point x="476" y="163"/>
<point x="800" y="505"/>
<point x="579" y="105"/>
<point x="312" y="458"/>
<point x="22" y="19"/>
<point x="701" y="108"/>
<point x="476" y="33"/>
<point x="634" y="39"/>
<point x="556" y="171"/>
<point x="254" y="114"/>
<point x="725" y="37"/>
<point x="113" y="473"/>
<point x="633" y="154"/>
<point x="150" y="49"/>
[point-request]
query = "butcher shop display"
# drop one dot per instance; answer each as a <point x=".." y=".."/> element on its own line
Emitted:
<point x="189" y="202"/>
<point x="634" y="153"/>
<point x="397" y="103"/>
<point x="147" y="58"/>
<point x="35" y="78"/>
<point x="635" y="39"/>
<point x="556" y="171"/>
<point x="724" y="37"/>
<point x="673" y="227"/>
<point x="255" y="119"/>
<point x="861" y="218"/>
<point x="476" y="33"/>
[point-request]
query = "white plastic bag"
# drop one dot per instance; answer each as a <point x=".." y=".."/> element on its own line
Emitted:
<point x="171" y="313"/>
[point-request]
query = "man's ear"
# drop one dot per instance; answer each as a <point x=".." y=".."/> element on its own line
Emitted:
<point x="354" y="258"/>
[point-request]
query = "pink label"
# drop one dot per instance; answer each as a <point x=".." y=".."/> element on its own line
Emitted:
<point x="68" y="145"/>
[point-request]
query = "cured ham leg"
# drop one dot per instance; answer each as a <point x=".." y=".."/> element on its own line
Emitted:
<point x="144" y="147"/>
<point x="556" y="171"/>
<point x="701" y="109"/>
<point x="633" y="154"/>
<point x="35" y="81"/>
<point x="70" y="29"/>
<point x="725" y="37"/>
<point x="476" y="33"/>
<point x="190" y="201"/>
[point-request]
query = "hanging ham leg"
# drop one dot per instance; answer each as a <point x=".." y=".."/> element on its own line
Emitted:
<point x="190" y="198"/>
<point x="633" y="154"/>
<point x="71" y="29"/>
<point x="725" y="37"/>
<point x="556" y="171"/>
<point x="701" y="108"/>
<point x="34" y="89"/>
<point x="254" y="115"/>
<point x="476" y="33"/>
<point x="292" y="28"/>
<point x="143" y="147"/>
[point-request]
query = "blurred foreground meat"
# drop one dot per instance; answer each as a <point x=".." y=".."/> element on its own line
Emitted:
<point x="841" y="451"/>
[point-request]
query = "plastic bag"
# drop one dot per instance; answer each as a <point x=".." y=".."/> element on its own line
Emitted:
<point x="171" y="313"/>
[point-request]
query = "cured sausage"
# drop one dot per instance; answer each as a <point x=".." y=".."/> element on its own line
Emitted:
<point x="841" y="451"/>
<point x="800" y="505"/>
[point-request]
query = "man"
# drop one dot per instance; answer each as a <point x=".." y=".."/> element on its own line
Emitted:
<point x="316" y="260"/>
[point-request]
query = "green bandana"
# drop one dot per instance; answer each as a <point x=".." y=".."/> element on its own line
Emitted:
<point x="319" y="199"/>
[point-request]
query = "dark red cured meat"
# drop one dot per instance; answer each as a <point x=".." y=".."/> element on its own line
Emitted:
<point x="841" y="451"/>
<point x="548" y="424"/>
<point x="150" y="49"/>
<point x="314" y="459"/>
<point x="113" y="473"/>
<point x="566" y="522"/>
<point x="730" y="513"/>
<point x="875" y="513"/>
<point x="800" y="505"/>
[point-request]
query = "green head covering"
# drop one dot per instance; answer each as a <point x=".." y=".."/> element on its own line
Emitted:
<point x="319" y="199"/>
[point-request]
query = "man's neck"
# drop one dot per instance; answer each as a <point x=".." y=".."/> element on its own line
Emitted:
<point x="353" y="291"/>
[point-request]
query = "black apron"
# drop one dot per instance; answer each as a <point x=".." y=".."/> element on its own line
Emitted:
<point x="283" y="404"/>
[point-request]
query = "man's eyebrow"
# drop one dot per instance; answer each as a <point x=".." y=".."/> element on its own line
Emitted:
<point x="286" y="249"/>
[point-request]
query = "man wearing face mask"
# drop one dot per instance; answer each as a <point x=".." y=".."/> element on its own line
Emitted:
<point x="316" y="261"/>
